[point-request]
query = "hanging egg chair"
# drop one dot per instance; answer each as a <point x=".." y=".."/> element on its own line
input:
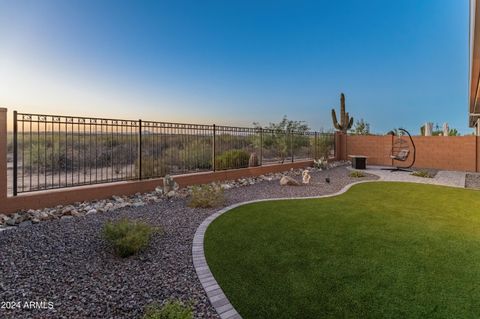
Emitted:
<point x="402" y="150"/>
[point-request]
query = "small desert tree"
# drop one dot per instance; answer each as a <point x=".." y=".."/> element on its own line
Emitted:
<point x="277" y="136"/>
<point x="361" y="127"/>
<point x="453" y="132"/>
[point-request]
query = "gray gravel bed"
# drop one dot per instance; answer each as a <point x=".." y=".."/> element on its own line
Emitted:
<point x="472" y="181"/>
<point x="318" y="186"/>
<point x="68" y="263"/>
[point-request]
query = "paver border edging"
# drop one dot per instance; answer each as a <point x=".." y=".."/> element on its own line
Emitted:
<point x="215" y="294"/>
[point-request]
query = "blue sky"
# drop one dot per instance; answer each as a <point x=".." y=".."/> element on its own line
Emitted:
<point x="400" y="63"/>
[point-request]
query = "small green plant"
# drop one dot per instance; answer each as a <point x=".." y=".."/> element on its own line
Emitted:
<point x="422" y="173"/>
<point x="127" y="237"/>
<point x="205" y="196"/>
<point x="172" y="309"/>
<point x="356" y="174"/>
<point x="232" y="159"/>
<point x="321" y="163"/>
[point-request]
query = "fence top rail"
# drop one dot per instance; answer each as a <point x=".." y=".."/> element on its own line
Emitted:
<point x="80" y="120"/>
<point x="66" y="119"/>
<point x="237" y="129"/>
<point x="319" y="133"/>
<point x="155" y="124"/>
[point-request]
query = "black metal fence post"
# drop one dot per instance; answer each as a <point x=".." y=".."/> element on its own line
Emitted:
<point x="291" y="145"/>
<point x="315" y="156"/>
<point x="213" y="148"/>
<point x="261" y="146"/>
<point x="139" y="149"/>
<point x="15" y="153"/>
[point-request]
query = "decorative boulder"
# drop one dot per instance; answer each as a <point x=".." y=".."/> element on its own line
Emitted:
<point x="253" y="161"/>
<point x="306" y="177"/>
<point x="169" y="184"/>
<point x="287" y="180"/>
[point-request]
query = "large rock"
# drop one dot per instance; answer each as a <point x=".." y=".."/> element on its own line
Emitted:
<point x="75" y="213"/>
<point x="118" y="199"/>
<point x="3" y="218"/>
<point x="305" y="177"/>
<point x="43" y="215"/>
<point x="253" y="160"/>
<point x="169" y="184"/>
<point x="67" y="209"/>
<point x="18" y="218"/>
<point x="287" y="180"/>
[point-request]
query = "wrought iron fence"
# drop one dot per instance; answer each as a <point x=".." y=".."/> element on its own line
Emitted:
<point x="51" y="151"/>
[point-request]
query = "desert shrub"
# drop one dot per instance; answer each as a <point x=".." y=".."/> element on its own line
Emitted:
<point x="112" y="141"/>
<point x="172" y="309"/>
<point x="151" y="167"/>
<point x="74" y="152"/>
<point x="274" y="145"/>
<point x="232" y="159"/>
<point x="422" y="173"/>
<point x="205" y="196"/>
<point x="253" y="161"/>
<point x="38" y="157"/>
<point x="194" y="155"/>
<point x="356" y="174"/>
<point x="325" y="145"/>
<point x="127" y="237"/>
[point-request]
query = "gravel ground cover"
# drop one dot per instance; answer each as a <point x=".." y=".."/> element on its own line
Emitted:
<point x="472" y="181"/>
<point x="66" y="264"/>
<point x="444" y="178"/>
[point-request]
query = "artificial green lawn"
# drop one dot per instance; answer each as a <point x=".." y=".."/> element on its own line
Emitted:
<point x="381" y="250"/>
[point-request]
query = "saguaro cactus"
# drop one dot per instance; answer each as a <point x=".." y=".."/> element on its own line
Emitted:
<point x="345" y="121"/>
